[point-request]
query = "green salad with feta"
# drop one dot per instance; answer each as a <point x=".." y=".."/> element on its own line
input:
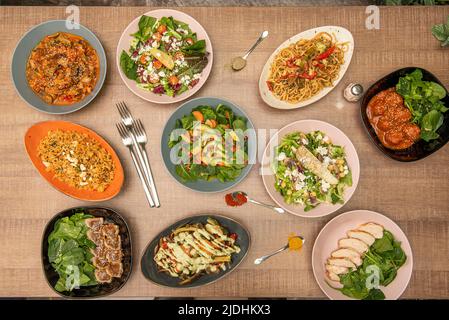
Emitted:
<point x="165" y="56"/>
<point x="309" y="170"/>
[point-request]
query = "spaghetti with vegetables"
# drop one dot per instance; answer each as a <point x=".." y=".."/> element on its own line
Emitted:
<point x="304" y="68"/>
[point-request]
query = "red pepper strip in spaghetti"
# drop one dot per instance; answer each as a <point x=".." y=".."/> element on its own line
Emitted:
<point x="325" y="54"/>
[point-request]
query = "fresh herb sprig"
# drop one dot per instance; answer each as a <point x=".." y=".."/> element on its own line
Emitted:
<point x="441" y="33"/>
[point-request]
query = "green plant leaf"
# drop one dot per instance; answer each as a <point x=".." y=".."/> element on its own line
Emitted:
<point x="375" y="294"/>
<point x="196" y="48"/>
<point x="128" y="66"/>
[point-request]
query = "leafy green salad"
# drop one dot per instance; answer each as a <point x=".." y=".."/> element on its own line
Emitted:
<point x="387" y="255"/>
<point x="320" y="176"/>
<point x="423" y="99"/>
<point x="165" y="56"/>
<point x="212" y="144"/>
<point x="69" y="252"/>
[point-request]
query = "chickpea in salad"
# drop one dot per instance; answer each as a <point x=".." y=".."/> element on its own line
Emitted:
<point x="165" y="56"/>
<point x="310" y="170"/>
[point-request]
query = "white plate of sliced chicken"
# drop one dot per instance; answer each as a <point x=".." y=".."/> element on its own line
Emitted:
<point x="344" y="244"/>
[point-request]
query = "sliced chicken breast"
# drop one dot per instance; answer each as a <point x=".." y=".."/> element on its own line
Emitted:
<point x="341" y="262"/>
<point x="336" y="269"/>
<point x="347" y="253"/>
<point x="332" y="276"/>
<point x="376" y="230"/>
<point x="362" y="235"/>
<point x="356" y="244"/>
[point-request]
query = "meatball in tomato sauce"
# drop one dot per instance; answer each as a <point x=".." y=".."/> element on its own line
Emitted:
<point x="391" y="120"/>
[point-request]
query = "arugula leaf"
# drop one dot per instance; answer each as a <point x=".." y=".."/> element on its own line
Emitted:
<point x="129" y="67"/>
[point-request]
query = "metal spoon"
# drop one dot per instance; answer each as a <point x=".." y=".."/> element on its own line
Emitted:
<point x="239" y="63"/>
<point x="263" y="258"/>
<point x="277" y="209"/>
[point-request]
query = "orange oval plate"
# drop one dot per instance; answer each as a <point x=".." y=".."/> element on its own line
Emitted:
<point x="38" y="131"/>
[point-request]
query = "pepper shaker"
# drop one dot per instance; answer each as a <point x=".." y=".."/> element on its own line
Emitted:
<point x="353" y="92"/>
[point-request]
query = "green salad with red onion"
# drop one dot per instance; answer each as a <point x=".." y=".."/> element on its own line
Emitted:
<point x="165" y="56"/>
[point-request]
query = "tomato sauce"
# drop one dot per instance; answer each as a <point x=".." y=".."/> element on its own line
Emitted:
<point x="63" y="69"/>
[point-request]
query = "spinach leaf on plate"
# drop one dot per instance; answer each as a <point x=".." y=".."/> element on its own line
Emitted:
<point x="146" y="25"/>
<point x="375" y="294"/>
<point x="423" y="99"/>
<point x="198" y="47"/>
<point x="387" y="255"/>
<point x="129" y="67"/>
<point x="171" y="25"/>
<point x="69" y="252"/>
<point x="430" y="123"/>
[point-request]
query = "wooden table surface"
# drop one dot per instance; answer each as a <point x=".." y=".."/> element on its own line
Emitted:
<point x="415" y="195"/>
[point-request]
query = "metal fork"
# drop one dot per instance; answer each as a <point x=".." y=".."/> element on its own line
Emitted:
<point x="142" y="140"/>
<point x="139" y="138"/>
<point x="128" y="142"/>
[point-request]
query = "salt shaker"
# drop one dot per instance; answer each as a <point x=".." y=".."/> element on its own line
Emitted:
<point x="353" y="92"/>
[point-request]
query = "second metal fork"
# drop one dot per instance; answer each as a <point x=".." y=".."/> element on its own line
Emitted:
<point x="142" y="140"/>
<point x="138" y="134"/>
<point x="127" y="141"/>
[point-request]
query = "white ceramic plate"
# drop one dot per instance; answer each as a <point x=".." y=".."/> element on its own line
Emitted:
<point x="326" y="242"/>
<point x="338" y="138"/>
<point x="124" y="44"/>
<point x="342" y="35"/>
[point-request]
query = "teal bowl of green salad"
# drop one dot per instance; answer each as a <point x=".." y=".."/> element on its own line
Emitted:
<point x="209" y="144"/>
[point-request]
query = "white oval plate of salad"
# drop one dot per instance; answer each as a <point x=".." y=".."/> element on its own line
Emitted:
<point x="310" y="168"/>
<point x="391" y="252"/>
<point x="164" y="56"/>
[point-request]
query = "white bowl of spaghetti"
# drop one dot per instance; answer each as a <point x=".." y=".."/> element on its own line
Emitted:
<point x="306" y="67"/>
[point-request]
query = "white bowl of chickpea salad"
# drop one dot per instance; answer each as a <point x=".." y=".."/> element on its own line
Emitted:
<point x="164" y="56"/>
<point x="310" y="168"/>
